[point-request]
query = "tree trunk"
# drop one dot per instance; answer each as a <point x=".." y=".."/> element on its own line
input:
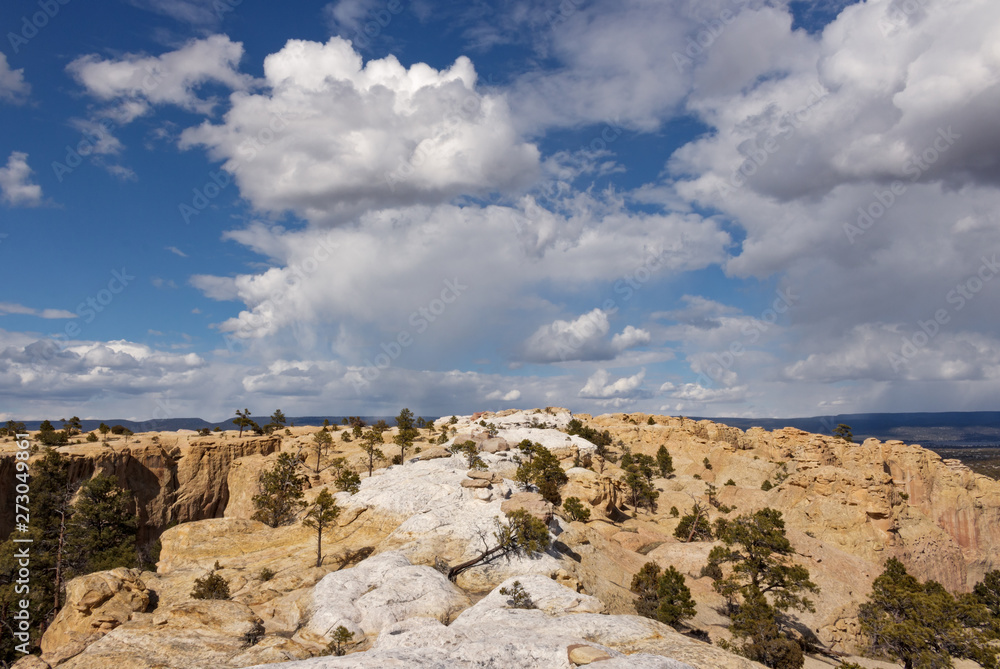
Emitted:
<point x="694" y="526"/>
<point x="319" y="545"/>
<point x="485" y="556"/>
<point x="62" y="534"/>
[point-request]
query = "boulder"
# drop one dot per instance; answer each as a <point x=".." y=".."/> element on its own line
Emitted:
<point x="378" y="592"/>
<point x="194" y="635"/>
<point x="531" y="502"/>
<point x="95" y="604"/>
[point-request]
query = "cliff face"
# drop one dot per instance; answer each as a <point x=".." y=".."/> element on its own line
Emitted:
<point x="175" y="478"/>
<point x="874" y="500"/>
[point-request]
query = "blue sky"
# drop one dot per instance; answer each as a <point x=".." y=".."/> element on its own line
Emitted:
<point x="732" y="207"/>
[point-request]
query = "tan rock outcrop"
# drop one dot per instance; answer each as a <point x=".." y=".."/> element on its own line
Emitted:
<point x="175" y="478"/>
<point x="95" y="604"/>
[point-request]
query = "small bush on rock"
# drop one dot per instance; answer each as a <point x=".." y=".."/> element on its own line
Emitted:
<point x="211" y="586"/>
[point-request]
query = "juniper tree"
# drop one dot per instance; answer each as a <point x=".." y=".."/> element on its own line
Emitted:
<point x="321" y="441"/>
<point x="694" y="526"/>
<point x="522" y="534"/>
<point x="407" y="433"/>
<point x="321" y="513"/>
<point x="575" y="509"/>
<point x="922" y="625"/>
<point x="544" y="471"/>
<point x="762" y="584"/>
<point x="279" y="495"/>
<point x="663" y="597"/>
<point x="372" y="440"/>
<point x="664" y="462"/>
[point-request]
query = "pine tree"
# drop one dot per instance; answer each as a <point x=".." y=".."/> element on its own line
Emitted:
<point x="663" y="597"/>
<point x="322" y="512"/>
<point x="694" y="526"/>
<point x="372" y="440"/>
<point x="279" y="492"/>
<point x="407" y="433"/>
<point x="664" y="462"/>
<point x="243" y="420"/>
<point x="522" y="534"/>
<point x="922" y="625"/>
<point x="843" y="432"/>
<point x="321" y="441"/>
<point x="762" y="582"/>
<point x="987" y="592"/>
<point x="102" y="533"/>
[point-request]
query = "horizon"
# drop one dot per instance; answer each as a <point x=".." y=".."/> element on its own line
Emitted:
<point x="727" y="210"/>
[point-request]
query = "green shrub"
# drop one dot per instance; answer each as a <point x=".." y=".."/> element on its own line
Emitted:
<point x="265" y="575"/>
<point x="766" y="485"/>
<point x="518" y="596"/>
<point x="575" y="510"/>
<point x="211" y="586"/>
<point x="730" y="482"/>
<point x="674" y="512"/>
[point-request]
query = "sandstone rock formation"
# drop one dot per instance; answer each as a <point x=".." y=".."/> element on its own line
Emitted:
<point x="175" y="478"/>
<point x="847" y="507"/>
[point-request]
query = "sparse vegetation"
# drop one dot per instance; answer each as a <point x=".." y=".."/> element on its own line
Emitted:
<point x="341" y="638"/>
<point x="211" y="586"/>
<point x="518" y="597"/>
<point x="575" y="509"/>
